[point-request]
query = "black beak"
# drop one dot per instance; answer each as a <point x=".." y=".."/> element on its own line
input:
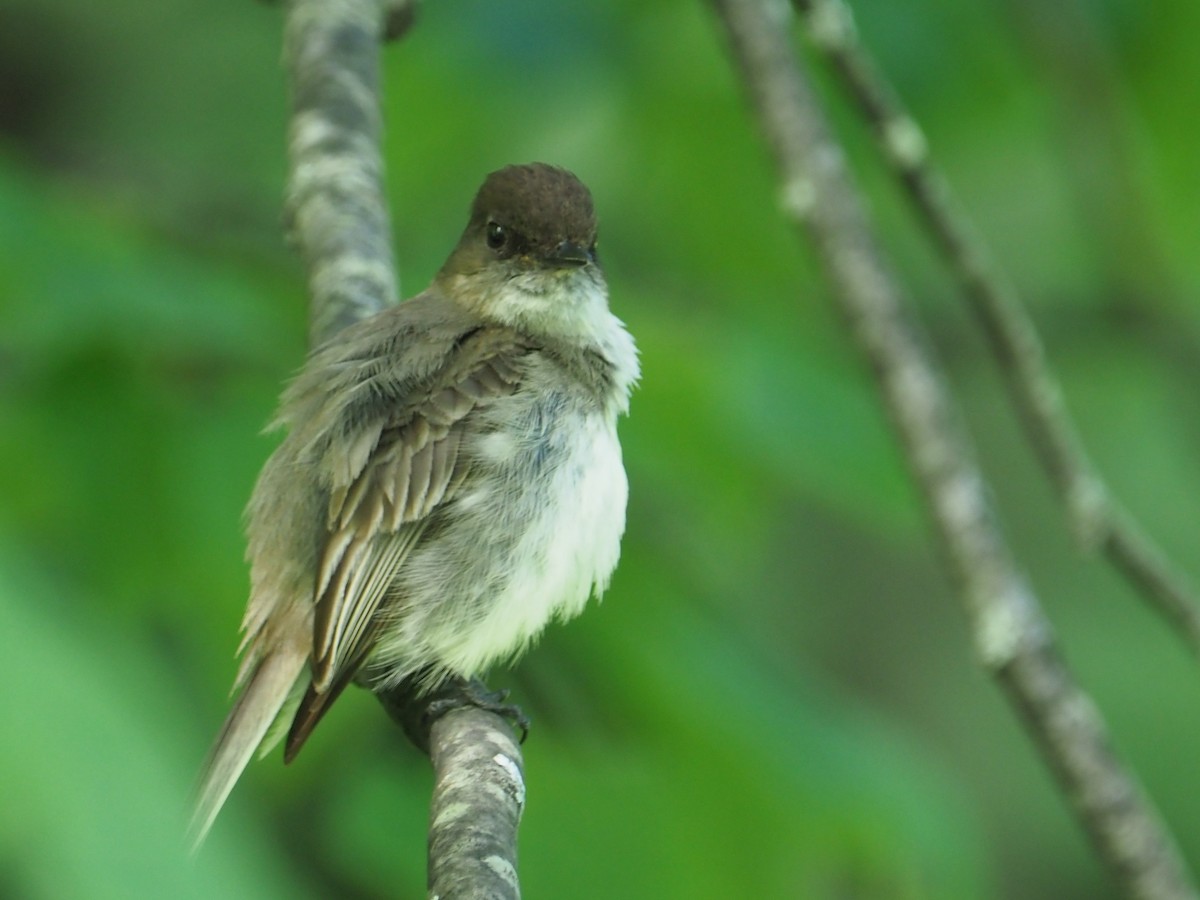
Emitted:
<point x="571" y="254"/>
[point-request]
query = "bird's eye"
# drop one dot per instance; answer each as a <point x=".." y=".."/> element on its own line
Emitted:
<point x="497" y="235"/>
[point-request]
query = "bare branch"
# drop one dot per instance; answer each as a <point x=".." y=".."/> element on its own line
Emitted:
<point x="1095" y="518"/>
<point x="336" y="207"/>
<point x="1013" y="638"/>
<point x="478" y="798"/>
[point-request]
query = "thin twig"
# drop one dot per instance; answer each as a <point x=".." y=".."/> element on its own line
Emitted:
<point x="1096" y="519"/>
<point x="337" y="216"/>
<point x="1013" y="638"/>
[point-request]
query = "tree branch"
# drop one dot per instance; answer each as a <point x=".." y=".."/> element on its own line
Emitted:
<point x="335" y="206"/>
<point x="337" y="217"/>
<point x="1095" y="518"/>
<point x="478" y="798"/>
<point x="1012" y="636"/>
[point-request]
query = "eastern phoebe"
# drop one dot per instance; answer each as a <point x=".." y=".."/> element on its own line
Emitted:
<point x="451" y="479"/>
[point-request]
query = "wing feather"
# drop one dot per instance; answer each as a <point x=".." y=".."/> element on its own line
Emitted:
<point x="418" y="482"/>
<point x="401" y="464"/>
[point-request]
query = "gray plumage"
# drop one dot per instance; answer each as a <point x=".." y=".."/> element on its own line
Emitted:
<point x="450" y="481"/>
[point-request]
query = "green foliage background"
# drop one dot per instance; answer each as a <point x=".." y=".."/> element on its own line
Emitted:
<point x="777" y="697"/>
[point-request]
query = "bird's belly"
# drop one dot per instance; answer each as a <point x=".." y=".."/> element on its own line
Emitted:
<point x="569" y="549"/>
<point x="531" y="541"/>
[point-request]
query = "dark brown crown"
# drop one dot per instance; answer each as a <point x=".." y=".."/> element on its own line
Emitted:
<point x="544" y="204"/>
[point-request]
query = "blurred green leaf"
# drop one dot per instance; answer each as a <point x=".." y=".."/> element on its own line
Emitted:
<point x="96" y="787"/>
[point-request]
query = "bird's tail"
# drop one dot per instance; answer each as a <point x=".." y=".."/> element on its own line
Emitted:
<point x="259" y="704"/>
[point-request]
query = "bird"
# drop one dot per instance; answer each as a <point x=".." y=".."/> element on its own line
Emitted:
<point x="451" y="478"/>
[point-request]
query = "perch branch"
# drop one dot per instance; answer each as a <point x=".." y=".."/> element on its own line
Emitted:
<point x="478" y="797"/>
<point x="1013" y="638"/>
<point x="1096" y="519"/>
<point x="337" y="217"/>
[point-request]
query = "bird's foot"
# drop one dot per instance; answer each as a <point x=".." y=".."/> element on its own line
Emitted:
<point x="416" y="710"/>
<point x="459" y="693"/>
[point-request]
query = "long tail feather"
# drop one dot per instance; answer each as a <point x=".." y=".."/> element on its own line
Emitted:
<point x="265" y="694"/>
<point x="310" y="711"/>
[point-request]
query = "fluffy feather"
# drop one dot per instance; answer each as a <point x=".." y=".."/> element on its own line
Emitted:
<point x="451" y="480"/>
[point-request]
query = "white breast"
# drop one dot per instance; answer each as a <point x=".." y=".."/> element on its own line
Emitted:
<point x="533" y="536"/>
<point x="567" y="553"/>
